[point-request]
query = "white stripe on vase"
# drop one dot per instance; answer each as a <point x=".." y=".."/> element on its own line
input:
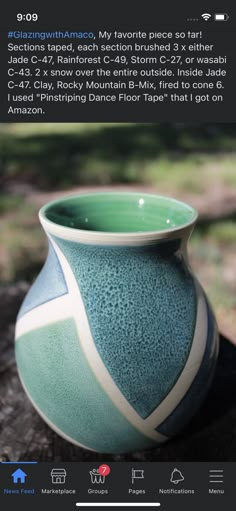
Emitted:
<point x="50" y="312"/>
<point x="191" y="367"/>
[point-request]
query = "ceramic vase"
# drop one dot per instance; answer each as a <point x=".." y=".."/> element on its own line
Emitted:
<point x="116" y="342"/>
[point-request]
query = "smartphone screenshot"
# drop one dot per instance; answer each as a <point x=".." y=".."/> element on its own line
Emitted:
<point x="117" y="255"/>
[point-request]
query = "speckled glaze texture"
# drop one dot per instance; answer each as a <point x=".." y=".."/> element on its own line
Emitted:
<point x="141" y="331"/>
<point x="116" y="343"/>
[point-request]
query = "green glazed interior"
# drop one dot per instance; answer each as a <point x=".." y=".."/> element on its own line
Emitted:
<point x="119" y="212"/>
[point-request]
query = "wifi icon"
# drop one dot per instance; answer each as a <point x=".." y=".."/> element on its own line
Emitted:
<point x="206" y="16"/>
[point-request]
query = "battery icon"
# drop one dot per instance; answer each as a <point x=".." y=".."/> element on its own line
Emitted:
<point x="221" y="17"/>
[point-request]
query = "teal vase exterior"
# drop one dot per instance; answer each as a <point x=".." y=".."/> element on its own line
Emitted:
<point x="116" y="343"/>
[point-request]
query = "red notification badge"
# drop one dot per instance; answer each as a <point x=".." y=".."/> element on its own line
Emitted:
<point x="104" y="470"/>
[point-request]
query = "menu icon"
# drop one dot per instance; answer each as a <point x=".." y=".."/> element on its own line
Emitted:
<point x="216" y="476"/>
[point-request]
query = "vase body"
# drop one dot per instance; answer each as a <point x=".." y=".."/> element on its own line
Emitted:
<point x="116" y="343"/>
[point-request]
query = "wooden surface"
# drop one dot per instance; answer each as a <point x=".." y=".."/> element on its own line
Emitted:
<point x="24" y="436"/>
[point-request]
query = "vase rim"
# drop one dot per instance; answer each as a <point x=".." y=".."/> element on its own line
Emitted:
<point x="117" y="218"/>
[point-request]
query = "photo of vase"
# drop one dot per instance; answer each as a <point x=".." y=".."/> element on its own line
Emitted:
<point x="116" y="343"/>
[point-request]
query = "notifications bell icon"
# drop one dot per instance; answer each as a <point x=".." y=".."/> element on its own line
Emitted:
<point x="176" y="476"/>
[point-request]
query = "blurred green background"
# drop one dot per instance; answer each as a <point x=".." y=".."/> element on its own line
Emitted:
<point x="196" y="163"/>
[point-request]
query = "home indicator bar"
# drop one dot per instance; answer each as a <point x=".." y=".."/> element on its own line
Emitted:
<point x="118" y="504"/>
